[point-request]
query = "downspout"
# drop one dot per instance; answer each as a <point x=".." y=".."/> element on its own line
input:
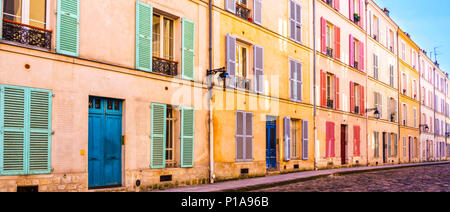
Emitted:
<point x="367" y="84"/>
<point x="434" y="113"/>
<point x="398" y="98"/>
<point x="210" y="96"/>
<point x="314" y="86"/>
<point x="420" y="111"/>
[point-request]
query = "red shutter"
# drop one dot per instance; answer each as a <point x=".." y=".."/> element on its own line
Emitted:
<point x="358" y="141"/>
<point x="337" y="5"/>
<point x="323" y="35"/>
<point x="337" y="94"/>
<point x="352" y="98"/>
<point x="363" y="107"/>
<point x="333" y="139"/>
<point x="361" y="55"/>
<point x="352" y="52"/>
<point x="351" y="10"/>
<point x="323" y="89"/>
<point x="337" y="41"/>
<point x="361" y="13"/>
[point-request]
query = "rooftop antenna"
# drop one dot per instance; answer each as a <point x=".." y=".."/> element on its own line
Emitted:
<point x="435" y="52"/>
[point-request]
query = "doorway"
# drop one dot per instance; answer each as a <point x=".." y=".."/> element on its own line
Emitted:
<point x="271" y="143"/>
<point x="344" y="144"/>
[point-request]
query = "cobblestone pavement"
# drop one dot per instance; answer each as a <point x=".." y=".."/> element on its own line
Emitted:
<point x="434" y="178"/>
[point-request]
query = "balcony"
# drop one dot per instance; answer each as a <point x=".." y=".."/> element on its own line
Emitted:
<point x="243" y="12"/>
<point x="329" y="52"/>
<point x="26" y="34"/>
<point x="166" y="67"/>
<point x="329" y="2"/>
<point x="356" y="65"/>
<point x="330" y="104"/>
<point x="244" y="84"/>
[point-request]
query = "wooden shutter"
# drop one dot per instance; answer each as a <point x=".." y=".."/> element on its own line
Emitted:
<point x="67" y="34"/>
<point x="333" y="140"/>
<point x="144" y="36"/>
<point x="158" y="137"/>
<point x="231" y="59"/>
<point x="389" y="113"/>
<point x="187" y="136"/>
<point x="292" y="80"/>
<point x="362" y="13"/>
<point x="363" y="102"/>
<point x="361" y="55"/>
<point x="188" y="49"/>
<point x="327" y="139"/>
<point x="337" y="41"/>
<point x="305" y="139"/>
<point x="287" y="139"/>
<point x="323" y="35"/>
<point x="230" y="5"/>
<point x="352" y="51"/>
<point x="258" y="68"/>
<point x="389" y="144"/>
<point x="337" y="5"/>
<point x="338" y="95"/>
<point x="356" y="139"/>
<point x="352" y="97"/>
<point x="351" y="13"/>
<point x="395" y="145"/>
<point x="248" y="136"/>
<point x="299" y="82"/>
<point x="257" y="11"/>
<point x="323" y="89"/>
<point x="25" y="130"/>
<point x="292" y="20"/>
<point x="240" y="134"/>
<point x="13" y="126"/>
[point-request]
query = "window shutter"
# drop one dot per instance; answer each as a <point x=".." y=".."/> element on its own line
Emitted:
<point x="337" y="41"/>
<point x="292" y="20"/>
<point x="352" y="97"/>
<point x="239" y="136"/>
<point x="158" y="137"/>
<point x="338" y="95"/>
<point x="248" y="136"/>
<point x="287" y="139"/>
<point x="333" y="140"/>
<point x="25" y="131"/>
<point x="323" y="37"/>
<point x="187" y="136"/>
<point x="298" y="20"/>
<point x="13" y="128"/>
<point x="337" y="5"/>
<point x="40" y="131"/>
<point x="362" y="13"/>
<point x="259" y="68"/>
<point x="188" y="49"/>
<point x="293" y="84"/>
<point x="230" y="5"/>
<point x="363" y="102"/>
<point x="389" y="108"/>
<point x="231" y="59"/>
<point x="351" y="9"/>
<point x="328" y="139"/>
<point x="299" y="82"/>
<point x="323" y="88"/>
<point x="257" y="11"/>
<point x="361" y="55"/>
<point x="67" y="34"/>
<point x="389" y="145"/>
<point x="380" y="103"/>
<point x="144" y="39"/>
<point x="352" y="52"/>
<point x="395" y="145"/>
<point x="305" y="139"/>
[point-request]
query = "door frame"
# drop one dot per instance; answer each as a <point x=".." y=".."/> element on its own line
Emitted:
<point x="269" y="121"/>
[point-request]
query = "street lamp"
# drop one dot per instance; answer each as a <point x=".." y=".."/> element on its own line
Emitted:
<point x="376" y="112"/>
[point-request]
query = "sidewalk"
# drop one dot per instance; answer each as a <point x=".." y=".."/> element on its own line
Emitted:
<point x="286" y="178"/>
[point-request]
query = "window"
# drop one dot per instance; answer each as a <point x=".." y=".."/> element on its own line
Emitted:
<point x="376" y="28"/>
<point x="404" y="147"/>
<point x="403" y="53"/>
<point x="378" y="102"/>
<point x="415" y="117"/>
<point x="405" y="115"/>
<point x="375" y="66"/>
<point x="330" y="39"/>
<point x="357" y="98"/>
<point x="356" y="54"/>
<point x="244" y="9"/>
<point x="404" y="83"/>
<point x="25" y="22"/>
<point x="415" y="89"/>
<point x="296" y="83"/>
<point x="241" y="60"/>
<point x="163" y="37"/>
<point x="295" y="138"/>
<point x="295" y="20"/>
<point x="376" y="140"/>
<point x="391" y="43"/>
<point x="170" y="138"/>
<point x="392" y="110"/>
<point x="391" y="76"/>
<point x="26" y="130"/>
<point x="330" y="91"/>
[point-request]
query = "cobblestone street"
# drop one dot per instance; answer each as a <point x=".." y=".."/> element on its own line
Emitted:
<point x="417" y="179"/>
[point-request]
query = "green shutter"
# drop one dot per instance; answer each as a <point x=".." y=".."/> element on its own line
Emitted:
<point x="188" y="49"/>
<point x="144" y="18"/>
<point x="187" y="137"/>
<point x="67" y="35"/>
<point x="40" y="131"/>
<point x="158" y="137"/>
<point x="25" y="131"/>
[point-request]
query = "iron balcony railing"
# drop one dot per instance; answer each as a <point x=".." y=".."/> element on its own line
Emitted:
<point x="242" y="11"/>
<point x="166" y="67"/>
<point x="356" y="65"/>
<point x="330" y="104"/>
<point x="26" y="34"/>
<point x="329" y="52"/>
<point x="357" y="109"/>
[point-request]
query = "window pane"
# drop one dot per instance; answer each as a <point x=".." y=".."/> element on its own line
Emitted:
<point x="168" y="39"/>
<point x="37" y="13"/>
<point x="12" y="10"/>
<point x="156" y="35"/>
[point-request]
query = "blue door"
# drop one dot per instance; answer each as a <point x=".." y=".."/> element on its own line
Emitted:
<point x="105" y="142"/>
<point x="271" y="147"/>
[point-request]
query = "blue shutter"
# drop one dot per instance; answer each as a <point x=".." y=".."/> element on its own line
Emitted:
<point x="144" y="36"/>
<point x="67" y="34"/>
<point x="305" y="139"/>
<point x="187" y="137"/>
<point x="188" y="49"/>
<point x="158" y="136"/>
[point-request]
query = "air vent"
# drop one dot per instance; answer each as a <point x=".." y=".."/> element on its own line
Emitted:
<point x="27" y="188"/>
<point x="244" y="171"/>
<point x="296" y="166"/>
<point x="165" y="178"/>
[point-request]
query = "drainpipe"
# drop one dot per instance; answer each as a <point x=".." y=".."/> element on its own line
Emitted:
<point x="367" y="84"/>
<point x="210" y="96"/>
<point x="314" y="85"/>
<point x="434" y="113"/>
<point x="398" y="98"/>
<point x="420" y="110"/>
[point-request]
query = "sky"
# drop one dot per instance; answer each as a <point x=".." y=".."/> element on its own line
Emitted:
<point x="428" y="23"/>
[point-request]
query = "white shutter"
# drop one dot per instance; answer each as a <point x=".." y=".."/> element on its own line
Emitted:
<point x="230" y="5"/>
<point x="287" y="139"/>
<point x="259" y="68"/>
<point x="231" y="60"/>
<point x="257" y="11"/>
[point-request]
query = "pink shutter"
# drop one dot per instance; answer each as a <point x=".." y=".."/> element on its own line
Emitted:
<point x="361" y="55"/>
<point x="337" y="41"/>
<point x="323" y="35"/>
<point x="337" y="5"/>
<point x="352" y="98"/>
<point x="363" y="107"/>
<point x="337" y="94"/>
<point x="352" y="52"/>
<point x="361" y="13"/>
<point x="323" y="89"/>
<point x="351" y="10"/>
<point x="333" y="139"/>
